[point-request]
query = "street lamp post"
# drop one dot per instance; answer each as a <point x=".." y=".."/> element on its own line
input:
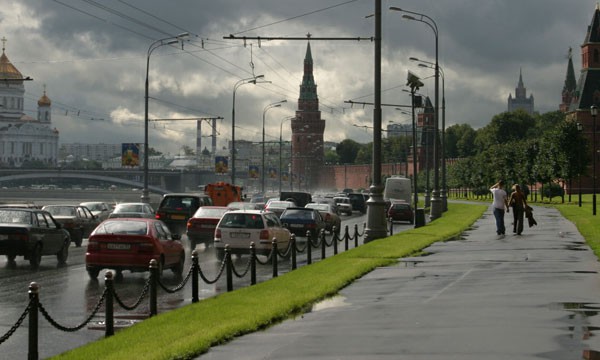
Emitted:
<point x="281" y="148"/>
<point x="579" y="130"/>
<point x="156" y="44"/>
<point x="594" y="111"/>
<point x="414" y="83"/>
<point x="436" y="203"/>
<point x="270" y="106"/>
<point x="241" y="82"/>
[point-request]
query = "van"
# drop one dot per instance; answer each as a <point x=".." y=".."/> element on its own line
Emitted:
<point x="397" y="188"/>
<point x="176" y="208"/>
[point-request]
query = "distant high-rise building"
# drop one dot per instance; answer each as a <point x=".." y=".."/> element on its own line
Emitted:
<point x="520" y="101"/>
<point x="307" y="132"/>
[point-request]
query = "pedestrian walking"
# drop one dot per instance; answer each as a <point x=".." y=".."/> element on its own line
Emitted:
<point x="500" y="203"/>
<point x="518" y="203"/>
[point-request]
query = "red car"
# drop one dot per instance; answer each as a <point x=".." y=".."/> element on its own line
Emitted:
<point x="201" y="226"/>
<point x="130" y="244"/>
<point x="400" y="211"/>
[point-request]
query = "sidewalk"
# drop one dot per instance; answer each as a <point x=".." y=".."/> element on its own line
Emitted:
<point x="533" y="296"/>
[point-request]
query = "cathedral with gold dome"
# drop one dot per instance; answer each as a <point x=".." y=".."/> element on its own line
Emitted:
<point x="23" y="139"/>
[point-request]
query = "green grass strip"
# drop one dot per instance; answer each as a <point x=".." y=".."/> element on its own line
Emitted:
<point x="191" y="330"/>
<point x="587" y="224"/>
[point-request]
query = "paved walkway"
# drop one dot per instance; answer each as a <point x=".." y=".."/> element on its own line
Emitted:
<point x="533" y="296"/>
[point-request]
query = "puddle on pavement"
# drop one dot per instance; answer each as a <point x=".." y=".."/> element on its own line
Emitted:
<point x="575" y="247"/>
<point x="332" y="302"/>
<point x="581" y="311"/>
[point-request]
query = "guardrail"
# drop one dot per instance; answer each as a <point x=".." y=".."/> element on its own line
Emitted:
<point x="110" y="295"/>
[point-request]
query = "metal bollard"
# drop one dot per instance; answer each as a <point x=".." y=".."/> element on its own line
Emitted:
<point x="34" y="297"/>
<point x="228" y="268"/>
<point x="335" y="242"/>
<point x="346" y="237"/>
<point x="252" y="263"/>
<point x="308" y="248"/>
<point x="391" y="227"/>
<point x="109" y="321"/>
<point x="274" y="256"/>
<point x="355" y="235"/>
<point x="195" y="267"/>
<point x="323" y="244"/>
<point x="153" y="287"/>
<point x="293" y="249"/>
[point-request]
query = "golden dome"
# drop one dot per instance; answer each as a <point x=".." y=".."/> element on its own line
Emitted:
<point x="7" y="70"/>
<point x="44" y="100"/>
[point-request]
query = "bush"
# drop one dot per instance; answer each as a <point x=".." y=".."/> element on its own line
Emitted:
<point x="553" y="190"/>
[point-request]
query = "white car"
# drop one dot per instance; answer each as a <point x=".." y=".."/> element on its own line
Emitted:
<point x="100" y="209"/>
<point x="239" y="228"/>
<point x="344" y="204"/>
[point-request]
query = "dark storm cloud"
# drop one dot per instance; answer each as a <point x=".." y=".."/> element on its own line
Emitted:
<point x="97" y="63"/>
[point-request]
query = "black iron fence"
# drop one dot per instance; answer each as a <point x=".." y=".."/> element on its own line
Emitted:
<point x="195" y="273"/>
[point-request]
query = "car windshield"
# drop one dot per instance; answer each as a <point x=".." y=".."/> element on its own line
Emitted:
<point x="129" y="208"/>
<point x="210" y="212"/>
<point x="401" y="206"/>
<point x="15" y="217"/>
<point x="321" y="207"/>
<point x="298" y="214"/>
<point x="61" y="210"/>
<point x="122" y="228"/>
<point x="93" y="206"/>
<point x="237" y="220"/>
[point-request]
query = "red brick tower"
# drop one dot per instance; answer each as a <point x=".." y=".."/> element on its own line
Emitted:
<point x="307" y="132"/>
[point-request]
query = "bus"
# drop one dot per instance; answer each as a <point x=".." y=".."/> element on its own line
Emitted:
<point x="223" y="193"/>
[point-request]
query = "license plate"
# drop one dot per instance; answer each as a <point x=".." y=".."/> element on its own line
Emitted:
<point x="296" y="225"/>
<point x="3" y="237"/>
<point x="208" y="226"/>
<point x="178" y="217"/>
<point x="240" y="235"/>
<point x="113" y="246"/>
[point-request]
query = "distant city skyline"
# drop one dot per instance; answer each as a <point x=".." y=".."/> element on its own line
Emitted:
<point x="93" y="62"/>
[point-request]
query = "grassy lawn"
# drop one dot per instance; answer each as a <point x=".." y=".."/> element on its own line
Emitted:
<point x="191" y="330"/>
<point x="587" y="224"/>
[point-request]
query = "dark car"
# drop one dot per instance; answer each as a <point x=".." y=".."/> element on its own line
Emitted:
<point x="400" y="211"/>
<point x="358" y="202"/>
<point x="176" y="208"/>
<point x="299" y="198"/>
<point x="32" y="233"/>
<point x="300" y="220"/>
<point x="130" y="244"/>
<point x="76" y="219"/>
<point x="201" y="227"/>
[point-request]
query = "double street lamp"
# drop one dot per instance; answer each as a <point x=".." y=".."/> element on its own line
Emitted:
<point x="443" y="192"/>
<point x="436" y="203"/>
<point x="251" y="80"/>
<point x="270" y="106"/>
<point x="281" y="149"/>
<point x="158" y="43"/>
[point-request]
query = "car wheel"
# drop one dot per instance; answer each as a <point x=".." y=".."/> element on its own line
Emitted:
<point x="192" y="244"/>
<point x="63" y="254"/>
<point x="35" y="258"/>
<point x="220" y="254"/>
<point x="178" y="268"/>
<point x="93" y="272"/>
<point x="11" y="258"/>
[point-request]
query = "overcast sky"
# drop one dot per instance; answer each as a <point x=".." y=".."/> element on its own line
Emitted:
<point x="91" y="55"/>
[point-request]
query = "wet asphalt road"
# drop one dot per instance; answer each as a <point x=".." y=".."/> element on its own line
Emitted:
<point x="70" y="296"/>
<point x="534" y="296"/>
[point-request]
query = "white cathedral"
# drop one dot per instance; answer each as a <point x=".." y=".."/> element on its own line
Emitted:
<point x="23" y="138"/>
